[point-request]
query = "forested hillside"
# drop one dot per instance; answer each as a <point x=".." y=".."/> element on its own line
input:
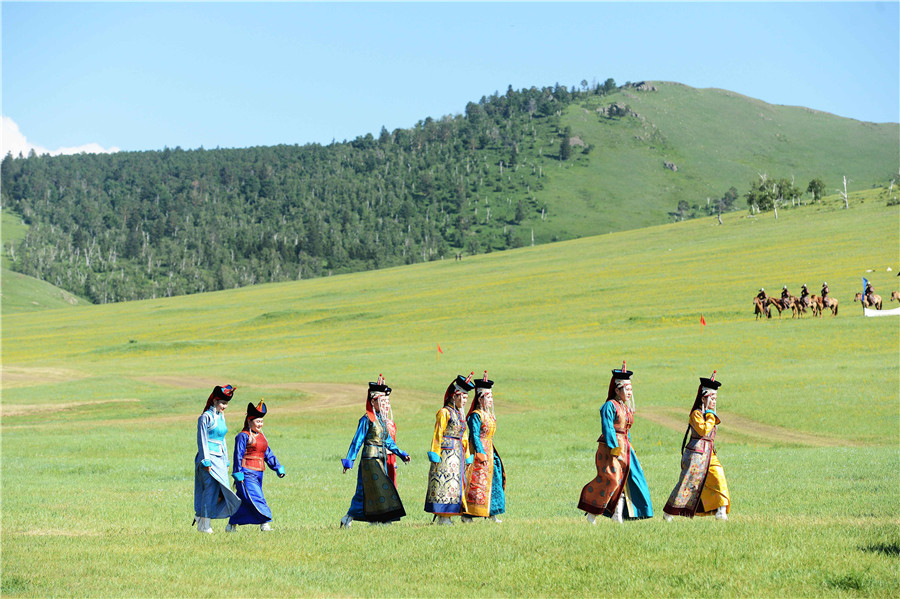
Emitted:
<point x="542" y="164"/>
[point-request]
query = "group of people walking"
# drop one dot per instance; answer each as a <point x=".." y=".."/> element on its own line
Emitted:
<point x="619" y="491"/>
<point x="466" y="475"/>
<point x="213" y="497"/>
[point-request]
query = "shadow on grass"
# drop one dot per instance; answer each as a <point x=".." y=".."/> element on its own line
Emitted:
<point x="889" y="549"/>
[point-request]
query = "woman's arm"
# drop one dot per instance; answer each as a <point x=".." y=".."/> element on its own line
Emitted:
<point x="475" y="435"/>
<point x="203" y="439"/>
<point x="440" y="426"/>
<point x="272" y="461"/>
<point x="357" y="442"/>
<point x="607" y="420"/>
<point x="240" y="448"/>
<point x="703" y="423"/>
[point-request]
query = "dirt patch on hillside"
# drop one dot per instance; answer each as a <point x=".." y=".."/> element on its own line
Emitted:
<point x="23" y="376"/>
<point x="749" y="430"/>
<point x="7" y="410"/>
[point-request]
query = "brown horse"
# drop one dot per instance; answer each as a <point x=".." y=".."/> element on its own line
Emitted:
<point x="759" y="309"/>
<point x="895" y="295"/>
<point x="868" y="301"/>
<point x="829" y="302"/>
<point x="815" y="303"/>
<point x="777" y="303"/>
<point x="796" y="306"/>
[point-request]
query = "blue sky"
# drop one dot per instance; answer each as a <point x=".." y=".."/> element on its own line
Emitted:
<point x="143" y="76"/>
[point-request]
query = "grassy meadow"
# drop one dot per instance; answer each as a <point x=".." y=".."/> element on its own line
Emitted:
<point x="99" y="409"/>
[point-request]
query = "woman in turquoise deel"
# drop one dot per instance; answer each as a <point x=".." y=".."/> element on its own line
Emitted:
<point x="213" y="499"/>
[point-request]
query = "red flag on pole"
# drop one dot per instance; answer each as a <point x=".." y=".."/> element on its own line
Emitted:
<point x="440" y="351"/>
<point x="702" y="320"/>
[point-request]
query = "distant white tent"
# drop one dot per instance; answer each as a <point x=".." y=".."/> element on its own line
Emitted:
<point x="873" y="312"/>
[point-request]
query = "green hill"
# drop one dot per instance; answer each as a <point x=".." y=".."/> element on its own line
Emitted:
<point x="716" y="139"/>
<point x="100" y="405"/>
<point x="20" y="292"/>
<point x="528" y="166"/>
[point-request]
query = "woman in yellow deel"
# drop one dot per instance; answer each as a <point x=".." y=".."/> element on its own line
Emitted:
<point x="701" y="489"/>
<point x="449" y="455"/>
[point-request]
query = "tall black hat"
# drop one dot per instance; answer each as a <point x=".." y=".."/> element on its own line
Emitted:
<point x="711" y="382"/>
<point x="483" y="383"/>
<point x="257" y="411"/>
<point x="379" y="386"/>
<point x="623" y="373"/>
<point x="464" y="383"/>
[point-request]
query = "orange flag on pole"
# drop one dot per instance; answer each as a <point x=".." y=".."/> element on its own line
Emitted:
<point x="440" y="351"/>
<point x="702" y="323"/>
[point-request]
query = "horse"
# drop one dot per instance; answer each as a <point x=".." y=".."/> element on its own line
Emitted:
<point x="869" y="300"/>
<point x="759" y="309"/>
<point x="830" y="303"/>
<point x="777" y="303"/>
<point x="815" y="303"/>
<point x="796" y="306"/>
<point x="895" y="295"/>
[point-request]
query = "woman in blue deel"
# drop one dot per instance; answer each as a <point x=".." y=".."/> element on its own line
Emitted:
<point x="212" y="497"/>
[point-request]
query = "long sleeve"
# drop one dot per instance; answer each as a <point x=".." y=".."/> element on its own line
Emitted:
<point x="240" y="447"/>
<point x="475" y="432"/>
<point x="357" y="442"/>
<point x="203" y="438"/>
<point x="271" y="460"/>
<point x="440" y="426"/>
<point x="607" y="420"/>
<point x="703" y="423"/>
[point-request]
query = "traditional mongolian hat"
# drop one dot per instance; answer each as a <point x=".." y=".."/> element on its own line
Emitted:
<point x="377" y="387"/>
<point x="481" y="385"/>
<point x="222" y="393"/>
<point x="257" y="411"/>
<point x="460" y="383"/>
<point x="618" y="375"/>
<point x="711" y="382"/>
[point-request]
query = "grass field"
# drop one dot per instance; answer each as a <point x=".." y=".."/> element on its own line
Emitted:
<point x="99" y="408"/>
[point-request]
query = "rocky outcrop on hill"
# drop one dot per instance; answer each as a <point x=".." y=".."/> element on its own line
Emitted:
<point x="617" y="109"/>
<point x="643" y="86"/>
<point x="670" y="165"/>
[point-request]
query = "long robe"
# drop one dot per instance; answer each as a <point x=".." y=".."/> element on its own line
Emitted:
<point x="701" y="488"/>
<point x="212" y="496"/>
<point x="376" y="498"/>
<point x="484" y="479"/>
<point x="251" y="454"/>
<point x="616" y="474"/>
<point x="446" y="478"/>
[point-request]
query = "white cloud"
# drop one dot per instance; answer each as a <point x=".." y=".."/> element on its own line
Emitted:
<point x="12" y="140"/>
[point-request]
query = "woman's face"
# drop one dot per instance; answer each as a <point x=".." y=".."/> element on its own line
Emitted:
<point x="378" y="402"/>
<point x="487" y="400"/>
<point x="624" y="393"/>
<point x="710" y="399"/>
<point x="220" y="404"/>
<point x="459" y="399"/>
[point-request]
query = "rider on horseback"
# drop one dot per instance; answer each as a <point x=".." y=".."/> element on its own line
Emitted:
<point x="824" y="291"/>
<point x="870" y="293"/>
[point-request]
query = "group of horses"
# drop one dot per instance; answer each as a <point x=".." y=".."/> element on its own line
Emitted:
<point x="798" y="306"/>
<point x="873" y="300"/>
